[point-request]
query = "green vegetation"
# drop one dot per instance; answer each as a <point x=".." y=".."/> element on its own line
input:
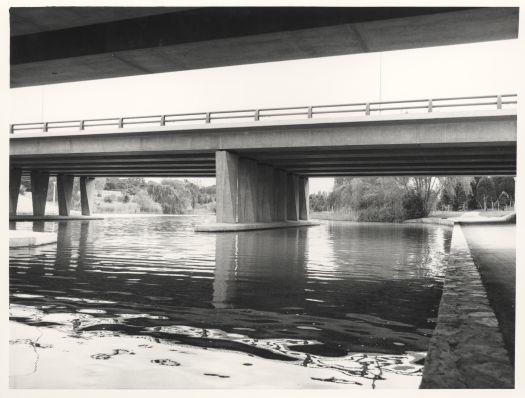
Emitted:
<point x="136" y="195"/>
<point x="395" y="199"/>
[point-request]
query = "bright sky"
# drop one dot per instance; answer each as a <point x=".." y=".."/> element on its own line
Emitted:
<point x="447" y="71"/>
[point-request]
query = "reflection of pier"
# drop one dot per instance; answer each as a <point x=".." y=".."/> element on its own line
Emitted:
<point x="279" y="264"/>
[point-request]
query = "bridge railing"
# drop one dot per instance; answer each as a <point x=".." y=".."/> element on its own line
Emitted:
<point x="307" y="112"/>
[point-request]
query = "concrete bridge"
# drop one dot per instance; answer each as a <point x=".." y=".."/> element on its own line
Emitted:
<point x="64" y="44"/>
<point x="262" y="158"/>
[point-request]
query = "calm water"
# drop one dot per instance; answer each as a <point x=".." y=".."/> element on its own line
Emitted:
<point x="355" y="302"/>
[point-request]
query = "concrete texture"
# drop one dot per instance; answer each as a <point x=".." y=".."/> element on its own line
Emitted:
<point x="470" y="143"/>
<point x="292" y="198"/>
<point x="87" y="195"/>
<point x="467" y="348"/>
<point x="15" y="178"/>
<point x="227" y="227"/>
<point x="248" y="182"/>
<point x="304" y="199"/>
<point x="493" y="248"/>
<point x="227" y="165"/>
<point x="279" y="195"/>
<point x="265" y="193"/>
<point x="30" y="238"/>
<point x="65" y="193"/>
<point x="39" y="186"/>
<point x="59" y="45"/>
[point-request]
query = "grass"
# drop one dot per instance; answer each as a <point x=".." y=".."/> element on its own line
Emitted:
<point x="488" y="213"/>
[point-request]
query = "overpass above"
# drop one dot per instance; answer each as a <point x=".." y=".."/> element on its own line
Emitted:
<point x="66" y="44"/>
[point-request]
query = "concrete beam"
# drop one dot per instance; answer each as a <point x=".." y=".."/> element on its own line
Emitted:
<point x="39" y="186"/>
<point x="65" y="193"/>
<point x="15" y="178"/>
<point x="227" y="172"/>
<point x="279" y="195"/>
<point x="292" y="198"/>
<point x="87" y="195"/>
<point x="61" y="50"/>
<point x="248" y="182"/>
<point x="264" y="193"/>
<point x="304" y="198"/>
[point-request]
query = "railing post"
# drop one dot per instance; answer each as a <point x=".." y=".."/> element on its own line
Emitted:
<point x="430" y="105"/>
<point x="121" y="123"/>
<point x="256" y="116"/>
<point x="310" y="112"/>
<point x="208" y="117"/>
<point x="498" y="101"/>
<point x="81" y="127"/>
<point x="163" y="120"/>
<point x="11" y="129"/>
<point x="367" y="109"/>
<point x="45" y="128"/>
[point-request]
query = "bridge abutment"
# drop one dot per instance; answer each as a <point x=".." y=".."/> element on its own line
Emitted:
<point x="253" y="193"/>
<point x="15" y="179"/>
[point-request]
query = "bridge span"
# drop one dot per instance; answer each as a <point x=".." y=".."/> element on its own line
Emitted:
<point x="262" y="158"/>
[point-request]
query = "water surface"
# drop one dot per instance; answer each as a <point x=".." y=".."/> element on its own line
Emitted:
<point x="353" y="303"/>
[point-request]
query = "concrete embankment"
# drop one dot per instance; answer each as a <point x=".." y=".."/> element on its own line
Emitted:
<point x="29" y="238"/>
<point x="467" y="349"/>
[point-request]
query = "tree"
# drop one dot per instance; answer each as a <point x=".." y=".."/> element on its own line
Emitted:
<point x="485" y="192"/>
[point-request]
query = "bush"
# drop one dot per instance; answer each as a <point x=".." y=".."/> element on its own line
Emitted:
<point x="413" y="206"/>
<point x="146" y="203"/>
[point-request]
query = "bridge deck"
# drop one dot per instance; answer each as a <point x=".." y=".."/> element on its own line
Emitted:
<point x="473" y="142"/>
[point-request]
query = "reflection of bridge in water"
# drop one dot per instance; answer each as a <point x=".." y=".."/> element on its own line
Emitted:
<point x="260" y="281"/>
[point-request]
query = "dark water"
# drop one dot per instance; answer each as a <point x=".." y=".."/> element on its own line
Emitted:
<point x="342" y="287"/>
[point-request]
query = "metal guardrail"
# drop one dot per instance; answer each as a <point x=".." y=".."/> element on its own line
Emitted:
<point x="309" y="112"/>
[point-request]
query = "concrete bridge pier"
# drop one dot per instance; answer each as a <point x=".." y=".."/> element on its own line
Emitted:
<point x="304" y="198"/>
<point x="15" y="179"/>
<point x="249" y="192"/>
<point x="292" y="198"/>
<point x="65" y="193"/>
<point x="39" y="185"/>
<point x="87" y="195"/>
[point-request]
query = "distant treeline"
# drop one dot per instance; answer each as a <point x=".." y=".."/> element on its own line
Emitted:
<point x="135" y="194"/>
<point x="393" y="199"/>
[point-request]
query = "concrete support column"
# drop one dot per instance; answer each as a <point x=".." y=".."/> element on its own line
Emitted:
<point x="15" y="178"/>
<point x="39" y="184"/>
<point x="279" y="195"/>
<point x="304" y="198"/>
<point x="264" y="193"/>
<point x="248" y="181"/>
<point x="292" y="198"/>
<point x="87" y="195"/>
<point x="227" y="170"/>
<point x="65" y="193"/>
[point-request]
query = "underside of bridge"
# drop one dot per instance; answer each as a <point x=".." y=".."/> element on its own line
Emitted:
<point x="65" y="44"/>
